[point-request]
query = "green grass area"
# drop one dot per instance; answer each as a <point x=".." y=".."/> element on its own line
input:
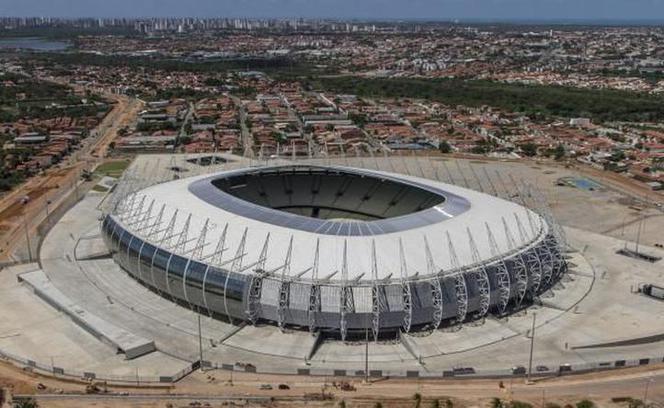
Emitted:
<point x="31" y="89"/>
<point x="265" y="64"/>
<point x="533" y="100"/>
<point x="113" y="168"/>
<point x="31" y="98"/>
<point x="99" y="188"/>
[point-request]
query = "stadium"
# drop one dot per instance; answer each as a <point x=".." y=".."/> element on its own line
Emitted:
<point x="337" y="250"/>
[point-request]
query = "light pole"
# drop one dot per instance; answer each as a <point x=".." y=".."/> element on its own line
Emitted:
<point x="200" y="341"/>
<point x="638" y="236"/>
<point x="48" y="213"/>
<point x="645" y="392"/>
<point x="622" y="233"/>
<point x="27" y="237"/>
<point x="532" y="346"/>
<point x="366" y="355"/>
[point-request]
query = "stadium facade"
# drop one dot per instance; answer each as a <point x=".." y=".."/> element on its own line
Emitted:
<point x="338" y="250"/>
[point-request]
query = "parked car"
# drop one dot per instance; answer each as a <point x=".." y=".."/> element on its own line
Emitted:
<point x="518" y="370"/>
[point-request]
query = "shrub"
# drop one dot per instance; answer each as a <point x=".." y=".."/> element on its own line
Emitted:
<point x="496" y="403"/>
<point x="26" y="403"/>
<point x="520" y="404"/>
<point x="585" y="404"/>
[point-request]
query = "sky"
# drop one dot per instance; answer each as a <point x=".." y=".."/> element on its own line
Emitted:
<point x="362" y="9"/>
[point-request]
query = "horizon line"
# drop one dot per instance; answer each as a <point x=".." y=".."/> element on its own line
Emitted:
<point x="452" y="20"/>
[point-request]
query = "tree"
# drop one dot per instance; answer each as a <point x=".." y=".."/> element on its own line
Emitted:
<point x="520" y="404"/>
<point x="617" y="156"/>
<point x="585" y="404"/>
<point x="529" y="149"/>
<point x="26" y="403"/>
<point x="418" y="399"/>
<point x="479" y="149"/>
<point x="559" y="152"/>
<point x="445" y="147"/>
<point x="359" y="119"/>
<point x="278" y="136"/>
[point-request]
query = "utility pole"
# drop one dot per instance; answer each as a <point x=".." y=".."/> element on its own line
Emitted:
<point x="645" y="393"/>
<point x="638" y="235"/>
<point x="27" y="237"/>
<point x="622" y="234"/>
<point x="532" y="346"/>
<point x="76" y="184"/>
<point x="200" y="342"/>
<point x="366" y="355"/>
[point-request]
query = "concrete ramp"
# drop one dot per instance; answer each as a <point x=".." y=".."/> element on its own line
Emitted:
<point x="270" y="340"/>
<point x="88" y="248"/>
<point x="130" y="344"/>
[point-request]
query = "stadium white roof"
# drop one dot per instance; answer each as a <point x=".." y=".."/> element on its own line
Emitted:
<point x="485" y="212"/>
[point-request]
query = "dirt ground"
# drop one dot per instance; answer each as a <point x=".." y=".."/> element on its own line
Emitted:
<point x="221" y="388"/>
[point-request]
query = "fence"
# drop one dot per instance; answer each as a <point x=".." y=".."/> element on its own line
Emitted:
<point x="457" y="372"/>
<point x="68" y="374"/>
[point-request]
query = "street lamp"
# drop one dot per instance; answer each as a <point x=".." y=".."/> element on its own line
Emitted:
<point x="645" y="392"/>
<point x="25" y="201"/>
<point x="532" y="346"/>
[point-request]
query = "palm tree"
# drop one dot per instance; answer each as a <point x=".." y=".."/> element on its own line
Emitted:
<point x="26" y="403"/>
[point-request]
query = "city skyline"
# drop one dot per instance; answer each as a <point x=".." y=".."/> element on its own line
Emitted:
<point x="485" y="10"/>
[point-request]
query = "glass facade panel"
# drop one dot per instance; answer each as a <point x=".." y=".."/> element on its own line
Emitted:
<point x="165" y="272"/>
<point x="123" y="243"/>
<point x="145" y="265"/>
<point x="115" y="237"/>
<point x="132" y="255"/>
<point x="214" y="288"/>
<point x="176" y="268"/>
<point x="159" y="268"/>
<point x="194" y="283"/>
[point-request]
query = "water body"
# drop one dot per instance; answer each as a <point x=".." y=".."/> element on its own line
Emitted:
<point x="33" y="44"/>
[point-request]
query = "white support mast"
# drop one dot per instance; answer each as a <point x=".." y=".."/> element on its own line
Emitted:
<point x="436" y="288"/>
<point x="460" y="288"/>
